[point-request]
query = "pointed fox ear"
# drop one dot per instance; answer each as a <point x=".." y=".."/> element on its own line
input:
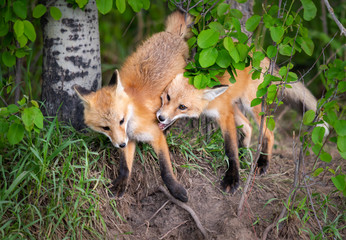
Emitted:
<point x="82" y="93"/>
<point x="211" y="93"/>
<point x="120" y="87"/>
<point x="114" y="78"/>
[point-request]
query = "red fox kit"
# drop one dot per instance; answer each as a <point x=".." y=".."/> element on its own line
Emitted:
<point x="180" y="99"/>
<point x="125" y="110"/>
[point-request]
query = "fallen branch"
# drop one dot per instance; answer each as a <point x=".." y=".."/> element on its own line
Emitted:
<point x="187" y="208"/>
<point x="158" y="210"/>
<point x="165" y="235"/>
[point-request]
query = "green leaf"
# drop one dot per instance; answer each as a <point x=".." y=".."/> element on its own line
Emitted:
<point x="317" y="135"/>
<point x="236" y="13"/>
<point x="104" y="6"/>
<point x="15" y="133"/>
<point x="121" y="5"/>
<point x="317" y="172"/>
<point x="20" y="9"/>
<point x="223" y="59"/>
<point x="55" y="13"/>
<point x="325" y="157"/>
<point x="216" y="26"/>
<point x="308" y="117"/>
<point x="81" y="3"/>
<point x="309" y="10"/>
<point x="286" y="50"/>
<point x="207" y="38"/>
<point x="21" y="53"/>
<point x="191" y="41"/>
<point x="340" y="127"/>
<point x="339" y="182"/>
<point x="39" y="11"/>
<point x="22" y="40"/>
<point x="29" y="30"/>
<point x="207" y="57"/>
<point x="308" y="46"/>
<point x="222" y="9"/>
<point x="232" y="50"/>
<point x="241" y="1"/>
<point x="8" y="59"/>
<point x="271" y="51"/>
<point x="242" y="50"/>
<point x="135" y="5"/>
<point x="28" y="118"/>
<point x="38" y="119"/>
<point x="270" y="123"/>
<point x="255" y="102"/>
<point x="18" y="28"/>
<point x="256" y="75"/>
<point x="276" y="33"/>
<point x="146" y="4"/>
<point x="4" y="27"/>
<point x="341" y="143"/>
<point x="200" y="81"/>
<point x="252" y="23"/>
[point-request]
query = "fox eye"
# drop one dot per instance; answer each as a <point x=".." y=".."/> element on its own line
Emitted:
<point x="121" y="121"/>
<point x="106" y="128"/>
<point x="182" y="107"/>
<point x="168" y="98"/>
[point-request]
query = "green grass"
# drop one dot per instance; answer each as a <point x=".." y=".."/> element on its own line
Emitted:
<point x="47" y="190"/>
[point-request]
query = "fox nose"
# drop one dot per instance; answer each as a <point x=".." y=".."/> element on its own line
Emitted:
<point x="161" y="119"/>
<point x="122" y="145"/>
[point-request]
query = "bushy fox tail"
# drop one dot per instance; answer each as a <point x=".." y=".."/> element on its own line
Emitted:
<point x="178" y="23"/>
<point x="299" y="97"/>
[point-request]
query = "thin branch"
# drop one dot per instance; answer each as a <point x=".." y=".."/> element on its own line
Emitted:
<point x="187" y="208"/>
<point x="331" y="11"/>
<point x="165" y="235"/>
<point x="148" y="221"/>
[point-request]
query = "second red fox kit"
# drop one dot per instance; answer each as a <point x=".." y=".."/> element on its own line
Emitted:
<point x="180" y="99"/>
<point x="125" y="111"/>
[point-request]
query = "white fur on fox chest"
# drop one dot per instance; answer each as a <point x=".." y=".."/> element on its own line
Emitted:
<point x="134" y="134"/>
<point x="212" y="113"/>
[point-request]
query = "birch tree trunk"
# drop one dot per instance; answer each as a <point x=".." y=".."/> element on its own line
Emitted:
<point x="71" y="55"/>
<point x="247" y="11"/>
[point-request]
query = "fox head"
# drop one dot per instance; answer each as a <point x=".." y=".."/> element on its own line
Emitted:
<point x="108" y="110"/>
<point x="181" y="99"/>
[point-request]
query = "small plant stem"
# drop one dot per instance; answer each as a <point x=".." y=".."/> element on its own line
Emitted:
<point x="331" y="11"/>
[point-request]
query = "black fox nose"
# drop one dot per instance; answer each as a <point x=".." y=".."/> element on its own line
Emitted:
<point x="122" y="145"/>
<point x="161" y="119"/>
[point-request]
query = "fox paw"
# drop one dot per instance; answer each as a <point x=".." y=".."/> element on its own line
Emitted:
<point x="262" y="164"/>
<point x="118" y="187"/>
<point x="229" y="184"/>
<point x="179" y="192"/>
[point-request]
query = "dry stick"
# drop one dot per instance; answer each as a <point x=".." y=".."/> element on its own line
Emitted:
<point x="163" y="236"/>
<point x="331" y="11"/>
<point x="17" y="81"/>
<point x="187" y="208"/>
<point x="158" y="210"/>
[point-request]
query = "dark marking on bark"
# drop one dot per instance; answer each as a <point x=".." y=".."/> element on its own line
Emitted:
<point x="78" y="62"/>
<point x="56" y="53"/>
<point x="73" y="37"/>
<point x="72" y="49"/>
<point x="62" y="30"/>
<point x="71" y="76"/>
<point x="94" y="87"/>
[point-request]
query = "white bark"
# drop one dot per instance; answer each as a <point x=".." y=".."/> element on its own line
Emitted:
<point x="71" y="56"/>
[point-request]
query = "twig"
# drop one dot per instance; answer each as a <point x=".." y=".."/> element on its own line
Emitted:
<point x="158" y="210"/>
<point x="163" y="236"/>
<point x="187" y="208"/>
<point x="331" y="11"/>
<point x="17" y="81"/>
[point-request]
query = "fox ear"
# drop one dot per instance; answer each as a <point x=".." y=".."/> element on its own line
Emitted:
<point x="120" y="87"/>
<point x="114" y="78"/>
<point x="82" y="93"/>
<point x="211" y="93"/>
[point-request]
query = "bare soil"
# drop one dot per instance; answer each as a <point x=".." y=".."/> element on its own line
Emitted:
<point x="146" y="213"/>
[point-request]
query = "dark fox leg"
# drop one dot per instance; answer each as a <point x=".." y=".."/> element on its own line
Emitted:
<point x="267" y="142"/>
<point x="161" y="149"/>
<point x="230" y="181"/>
<point x="126" y="160"/>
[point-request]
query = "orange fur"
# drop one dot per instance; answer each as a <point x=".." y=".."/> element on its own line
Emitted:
<point x="180" y="99"/>
<point x="127" y="110"/>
